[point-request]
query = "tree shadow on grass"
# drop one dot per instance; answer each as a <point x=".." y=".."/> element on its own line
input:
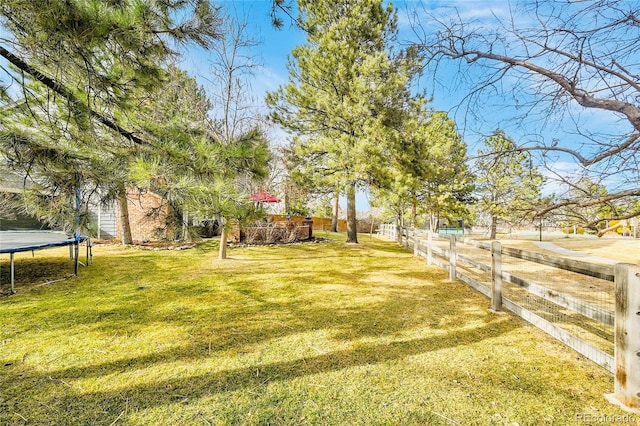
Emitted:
<point x="131" y="307"/>
<point x="30" y="273"/>
<point x="80" y="405"/>
<point x="383" y="319"/>
<point x="238" y="313"/>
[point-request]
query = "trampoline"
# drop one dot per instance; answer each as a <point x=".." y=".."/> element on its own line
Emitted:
<point x="13" y="242"/>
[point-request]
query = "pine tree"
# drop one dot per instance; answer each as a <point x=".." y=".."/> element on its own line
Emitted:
<point x="448" y="182"/>
<point x="428" y="171"/>
<point x="343" y="85"/>
<point x="99" y="109"/>
<point x="77" y="65"/>
<point x="508" y="185"/>
<point x="192" y="166"/>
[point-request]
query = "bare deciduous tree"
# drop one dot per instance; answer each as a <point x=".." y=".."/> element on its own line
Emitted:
<point x="236" y="116"/>
<point x="565" y="61"/>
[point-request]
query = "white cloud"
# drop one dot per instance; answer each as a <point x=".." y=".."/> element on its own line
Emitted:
<point x="267" y="79"/>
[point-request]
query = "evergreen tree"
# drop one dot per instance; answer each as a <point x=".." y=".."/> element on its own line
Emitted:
<point x="508" y="185"/>
<point x="342" y="86"/>
<point x="101" y="110"/>
<point x="93" y="53"/>
<point x="193" y="167"/>
<point x="84" y="62"/>
<point x="448" y="183"/>
<point x="428" y="172"/>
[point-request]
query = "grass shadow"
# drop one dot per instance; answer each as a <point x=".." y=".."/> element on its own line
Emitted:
<point x="166" y="331"/>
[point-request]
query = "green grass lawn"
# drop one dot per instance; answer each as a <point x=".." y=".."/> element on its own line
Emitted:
<point x="302" y="334"/>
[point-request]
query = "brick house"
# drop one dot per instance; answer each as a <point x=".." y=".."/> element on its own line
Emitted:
<point x="149" y="214"/>
<point x="150" y="217"/>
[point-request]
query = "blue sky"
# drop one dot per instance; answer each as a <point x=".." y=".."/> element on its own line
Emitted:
<point x="448" y="92"/>
<point x="275" y="46"/>
<point x="271" y="52"/>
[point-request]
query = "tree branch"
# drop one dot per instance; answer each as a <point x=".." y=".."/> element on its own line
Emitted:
<point x="592" y="202"/>
<point x="586" y="100"/>
<point x="62" y="90"/>
<point x="584" y="161"/>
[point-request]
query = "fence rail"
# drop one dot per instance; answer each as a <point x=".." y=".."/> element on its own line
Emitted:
<point x="587" y="326"/>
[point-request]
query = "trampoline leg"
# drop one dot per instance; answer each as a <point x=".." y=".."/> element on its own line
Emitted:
<point x="76" y="249"/>
<point x="13" y="289"/>
<point x="88" y="243"/>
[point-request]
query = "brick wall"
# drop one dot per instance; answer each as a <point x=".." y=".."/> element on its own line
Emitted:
<point x="149" y="217"/>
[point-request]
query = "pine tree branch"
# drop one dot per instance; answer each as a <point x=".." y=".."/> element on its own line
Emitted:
<point x="62" y="90"/>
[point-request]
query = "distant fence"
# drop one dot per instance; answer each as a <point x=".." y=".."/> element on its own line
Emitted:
<point x="324" y="223"/>
<point x="594" y="309"/>
<point x="273" y="234"/>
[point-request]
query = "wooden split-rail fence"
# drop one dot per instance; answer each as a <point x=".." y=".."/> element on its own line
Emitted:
<point x="575" y="296"/>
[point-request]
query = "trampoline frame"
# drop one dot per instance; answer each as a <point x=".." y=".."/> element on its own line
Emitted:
<point x="74" y="252"/>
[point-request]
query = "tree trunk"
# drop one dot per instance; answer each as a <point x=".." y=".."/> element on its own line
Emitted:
<point x="352" y="228"/>
<point x="186" y="234"/>
<point x="334" y="214"/>
<point x="414" y="211"/>
<point x="494" y="227"/>
<point x="433" y="222"/>
<point x="399" y="226"/>
<point x="222" y="253"/>
<point x="125" y="226"/>
<point x="287" y="200"/>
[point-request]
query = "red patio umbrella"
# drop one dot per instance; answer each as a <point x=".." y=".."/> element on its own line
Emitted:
<point x="263" y="197"/>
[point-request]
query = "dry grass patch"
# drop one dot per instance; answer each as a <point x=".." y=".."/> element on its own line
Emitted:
<point x="305" y="334"/>
<point x="622" y="250"/>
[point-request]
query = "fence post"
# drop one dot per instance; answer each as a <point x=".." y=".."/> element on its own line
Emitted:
<point x="627" y="335"/>
<point x="416" y="243"/>
<point x="452" y="257"/>
<point x="429" y="244"/>
<point x="496" y="276"/>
